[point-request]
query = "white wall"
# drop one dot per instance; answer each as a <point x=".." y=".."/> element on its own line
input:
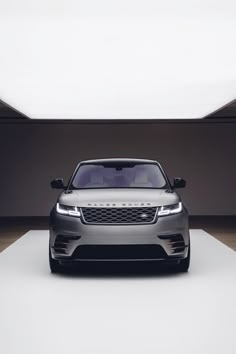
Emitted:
<point x="31" y="155"/>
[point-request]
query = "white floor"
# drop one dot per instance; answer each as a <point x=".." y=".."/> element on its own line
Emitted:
<point x="42" y="313"/>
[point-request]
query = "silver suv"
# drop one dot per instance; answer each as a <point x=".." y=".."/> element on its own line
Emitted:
<point x="119" y="209"/>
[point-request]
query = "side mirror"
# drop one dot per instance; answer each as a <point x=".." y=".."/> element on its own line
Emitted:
<point x="179" y="183"/>
<point x="58" y="183"/>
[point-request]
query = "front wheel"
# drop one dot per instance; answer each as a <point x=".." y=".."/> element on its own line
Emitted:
<point x="183" y="265"/>
<point x="55" y="266"/>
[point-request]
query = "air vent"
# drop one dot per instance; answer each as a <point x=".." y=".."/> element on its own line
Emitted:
<point x="62" y="242"/>
<point x="176" y="241"/>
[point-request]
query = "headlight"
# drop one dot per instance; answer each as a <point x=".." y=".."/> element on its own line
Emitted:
<point x="170" y="209"/>
<point x="68" y="210"/>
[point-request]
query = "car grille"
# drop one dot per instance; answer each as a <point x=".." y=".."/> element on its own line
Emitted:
<point x="131" y="215"/>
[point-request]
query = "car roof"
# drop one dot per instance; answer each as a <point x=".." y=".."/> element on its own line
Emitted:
<point x="118" y="160"/>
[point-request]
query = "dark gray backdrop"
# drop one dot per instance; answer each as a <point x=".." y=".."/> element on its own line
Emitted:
<point x="33" y="154"/>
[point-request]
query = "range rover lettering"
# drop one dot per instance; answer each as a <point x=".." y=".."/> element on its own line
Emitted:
<point x="119" y="210"/>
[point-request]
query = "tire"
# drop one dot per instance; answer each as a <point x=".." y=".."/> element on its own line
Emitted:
<point x="55" y="266"/>
<point x="183" y="266"/>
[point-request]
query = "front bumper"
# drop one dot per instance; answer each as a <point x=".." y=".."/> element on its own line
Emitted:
<point x="68" y="233"/>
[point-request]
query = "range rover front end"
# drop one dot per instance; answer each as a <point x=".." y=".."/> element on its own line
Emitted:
<point x="119" y="210"/>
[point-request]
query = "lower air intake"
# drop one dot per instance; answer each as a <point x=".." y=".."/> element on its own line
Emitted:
<point x="119" y="252"/>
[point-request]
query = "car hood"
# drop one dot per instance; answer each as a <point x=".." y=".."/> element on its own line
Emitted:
<point x="118" y="197"/>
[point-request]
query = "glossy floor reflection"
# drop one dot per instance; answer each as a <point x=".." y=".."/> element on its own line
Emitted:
<point x="117" y="308"/>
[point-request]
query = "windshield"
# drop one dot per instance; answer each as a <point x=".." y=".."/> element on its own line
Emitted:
<point x="118" y="175"/>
